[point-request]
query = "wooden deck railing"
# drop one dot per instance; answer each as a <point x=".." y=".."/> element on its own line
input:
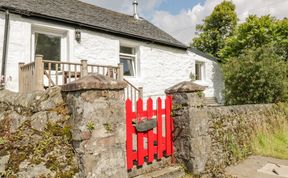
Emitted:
<point x="133" y="93"/>
<point x="31" y="75"/>
<point x="43" y="74"/>
<point x="60" y="73"/>
<point x="110" y="71"/>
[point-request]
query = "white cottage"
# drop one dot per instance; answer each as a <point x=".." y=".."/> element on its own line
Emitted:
<point x="67" y="32"/>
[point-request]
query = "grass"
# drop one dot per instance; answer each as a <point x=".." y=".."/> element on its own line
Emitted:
<point x="272" y="144"/>
<point x="2" y="141"/>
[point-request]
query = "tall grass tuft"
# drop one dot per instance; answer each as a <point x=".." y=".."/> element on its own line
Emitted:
<point x="272" y="140"/>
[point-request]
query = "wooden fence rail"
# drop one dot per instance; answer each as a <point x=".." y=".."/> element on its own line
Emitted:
<point x="133" y="93"/>
<point x="31" y="75"/>
<point x="42" y="74"/>
<point x="59" y="73"/>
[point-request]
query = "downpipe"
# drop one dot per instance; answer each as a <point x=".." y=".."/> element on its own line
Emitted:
<point x="5" y="48"/>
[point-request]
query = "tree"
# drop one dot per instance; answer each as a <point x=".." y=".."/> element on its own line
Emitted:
<point x="216" y="28"/>
<point x="281" y="37"/>
<point x="258" y="75"/>
<point x="256" y="32"/>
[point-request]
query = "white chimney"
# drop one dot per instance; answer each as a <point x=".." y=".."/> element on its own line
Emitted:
<point x="135" y="7"/>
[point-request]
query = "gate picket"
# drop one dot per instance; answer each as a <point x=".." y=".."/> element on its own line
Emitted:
<point x="140" y="135"/>
<point x="129" y="132"/>
<point x="164" y="144"/>
<point x="168" y="126"/>
<point x="159" y="128"/>
<point x="150" y="132"/>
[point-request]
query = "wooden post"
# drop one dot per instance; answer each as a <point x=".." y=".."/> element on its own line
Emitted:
<point x="20" y="77"/>
<point x="140" y="92"/>
<point x="121" y="71"/>
<point x="39" y="73"/>
<point x="84" y="68"/>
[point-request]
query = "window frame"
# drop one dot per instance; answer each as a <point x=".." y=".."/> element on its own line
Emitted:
<point x="202" y="71"/>
<point x="63" y="34"/>
<point x="134" y="57"/>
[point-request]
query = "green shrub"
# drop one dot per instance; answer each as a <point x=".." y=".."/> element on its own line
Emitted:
<point x="257" y="76"/>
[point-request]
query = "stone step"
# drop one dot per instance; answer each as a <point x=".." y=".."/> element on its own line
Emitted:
<point x="167" y="172"/>
<point x="211" y="101"/>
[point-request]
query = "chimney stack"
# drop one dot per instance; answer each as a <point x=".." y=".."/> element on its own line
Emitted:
<point x="135" y="6"/>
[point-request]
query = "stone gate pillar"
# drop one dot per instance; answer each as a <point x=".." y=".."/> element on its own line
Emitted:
<point x="191" y="140"/>
<point x="97" y="109"/>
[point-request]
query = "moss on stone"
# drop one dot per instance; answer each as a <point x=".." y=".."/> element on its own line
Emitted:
<point x="108" y="127"/>
<point x="36" y="147"/>
<point x="4" y="126"/>
<point x="17" y="149"/>
<point x="176" y="107"/>
<point x="61" y="110"/>
<point x="57" y="130"/>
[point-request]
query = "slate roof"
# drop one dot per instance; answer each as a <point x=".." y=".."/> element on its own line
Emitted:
<point x="87" y="15"/>
<point x="205" y="55"/>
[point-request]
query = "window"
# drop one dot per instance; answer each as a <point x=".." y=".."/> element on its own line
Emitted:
<point x="199" y="71"/>
<point x="128" y="59"/>
<point x="52" y="43"/>
<point x="49" y="46"/>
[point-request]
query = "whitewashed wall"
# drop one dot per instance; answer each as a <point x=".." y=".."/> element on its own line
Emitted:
<point x="213" y="77"/>
<point x="159" y="67"/>
<point x="163" y="67"/>
<point x="97" y="48"/>
<point x="18" y="48"/>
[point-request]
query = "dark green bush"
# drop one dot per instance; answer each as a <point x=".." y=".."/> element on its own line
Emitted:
<point x="257" y="76"/>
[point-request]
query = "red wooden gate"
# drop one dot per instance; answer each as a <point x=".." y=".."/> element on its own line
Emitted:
<point x="154" y="143"/>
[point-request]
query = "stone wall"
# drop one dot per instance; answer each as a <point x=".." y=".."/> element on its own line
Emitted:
<point x="191" y="141"/>
<point x="231" y="129"/>
<point x="98" y="125"/>
<point x="35" y="136"/>
<point x="207" y="139"/>
<point x="74" y="131"/>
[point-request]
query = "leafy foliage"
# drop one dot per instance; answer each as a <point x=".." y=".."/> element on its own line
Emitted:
<point x="256" y="76"/>
<point x="281" y="38"/>
<point x="216" y="28"/>
<point x="256" y="32"/>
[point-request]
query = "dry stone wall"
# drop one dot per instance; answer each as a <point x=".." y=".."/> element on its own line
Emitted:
<point x="34" y="135"/>
<point x="207" y="139"/>
<point x="74" y="131"/>
<point x="232" y="128"/>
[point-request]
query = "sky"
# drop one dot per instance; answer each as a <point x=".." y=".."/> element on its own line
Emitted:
<point x="180" y="17"/>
